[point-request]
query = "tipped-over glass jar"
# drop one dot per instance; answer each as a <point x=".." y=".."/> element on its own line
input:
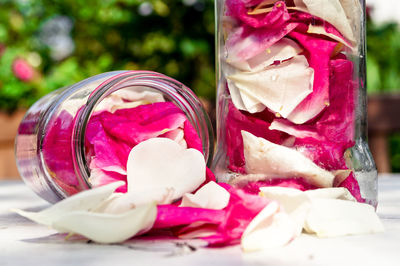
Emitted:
<point x="291" y="99"/>
<point x="80" y="136"/>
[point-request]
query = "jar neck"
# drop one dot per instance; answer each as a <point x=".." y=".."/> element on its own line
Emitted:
<point x="173" y="91"/>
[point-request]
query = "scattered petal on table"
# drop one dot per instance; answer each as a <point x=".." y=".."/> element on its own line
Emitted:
<point x="271" y="228"/>
<point x="332" y="218"/>
<point x="83" y="201"/>
<point x="108" y="228"/>
<point x="293" y="201"/>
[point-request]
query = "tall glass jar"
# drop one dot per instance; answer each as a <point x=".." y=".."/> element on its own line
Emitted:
<point x="52" y="149"/>
<point x="291" y="98"/>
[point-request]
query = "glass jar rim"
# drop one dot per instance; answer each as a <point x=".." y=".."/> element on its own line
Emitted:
<point x="178" y="93"/>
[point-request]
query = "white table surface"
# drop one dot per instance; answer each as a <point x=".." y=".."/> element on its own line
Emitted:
<point x="23" y="242"/>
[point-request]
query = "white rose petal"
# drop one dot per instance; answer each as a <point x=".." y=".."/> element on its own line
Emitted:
<point x="269" y="159"/>
<point x="293" y="201"/>
<point x="209" y="196"/>
<point x="270" y="228"/>
<point x="108" y="228"/>
<point x="83" y="201"/>
<point x="326" y="212"/>
<point x="342" y="14"/>
<point x="282" y="50"/>
<point x="160" y="163"/>
<point x="332" y="218"/>
<point x="279" y="87"/>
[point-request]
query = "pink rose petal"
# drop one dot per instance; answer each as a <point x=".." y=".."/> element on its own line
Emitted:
<point x="319" y="52"/>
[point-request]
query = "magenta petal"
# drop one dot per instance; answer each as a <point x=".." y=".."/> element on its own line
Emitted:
<point x="326" y="140"/>
<point x="337" y="124"/>
<point x="297" y="183"/>
<point x="307" y="19"/>
<point x="352" y="185"/>
<point x="242" y="208"/>
<point x="228" y="224"/>
<point x="143" y="122"/>
<point x="236" y="121"/>
<point x="319" y="52"/>
<point x="57" y="151"/>
<point x="246" y="42"/>
<point x="170" y="216"/>
<point x="110" y="155"/>
<point x="278" y="15"/>
<point x="192" y="138"/>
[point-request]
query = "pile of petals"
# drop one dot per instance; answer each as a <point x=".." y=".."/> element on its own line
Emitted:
<point x="149" y="175"/>
<point x="290" y="115"/>
<point x="170" y="188"/>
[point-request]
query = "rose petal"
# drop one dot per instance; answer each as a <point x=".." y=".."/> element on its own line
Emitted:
<point x="332" y="218"/>
<point x="280" y="87"/>
<point x="83" y="201"/>
<point x="331" y="193"/>
<point x="270" y="228"/>
<point x="319" y="53"/>
<point x="327" y="212"/>
<point x="135" y="125"/>
<point x="237" y="121"/>
<point x="105" y="227"/>
<point x="264" y="157"/>
<point x="245" y="42"/>
<point x="239" y="9"/>
<point x="160" y="163"/>
<point x="293" y="201"/>
<point x="339" y="13"/>
<point x="280" y="51"/>
<point x="210" y="196"/>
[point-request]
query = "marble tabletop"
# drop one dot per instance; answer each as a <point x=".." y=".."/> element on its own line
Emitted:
<point x="23" y="242"/>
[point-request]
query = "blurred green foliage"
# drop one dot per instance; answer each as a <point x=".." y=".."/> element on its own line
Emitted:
<point x="383" y="70"/>
<point x="383" y="53"/>
<point x="174" y="37"/>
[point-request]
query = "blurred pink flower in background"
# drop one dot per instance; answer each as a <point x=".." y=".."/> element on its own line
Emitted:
<point x="22" y="70"/>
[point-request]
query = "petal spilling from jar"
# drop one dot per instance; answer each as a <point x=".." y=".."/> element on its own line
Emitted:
<point x="333" y="12"/>
<point x="332" y="218"/>
<point x="326" y="212"/>
<point x="160" y="163"/>
<point x="293" y="201"/>
<point x="83" y="201"/>
<point x="272" y="227"/>
<point x="265" y="157"/>
<point x="280" y="87"/>
<point x="105" y="227"/>
<point x="282" y="50"/>
<point x="209" y="196"/>
<point x="121" y="202"/>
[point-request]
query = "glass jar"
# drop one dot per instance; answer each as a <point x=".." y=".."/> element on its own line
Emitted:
<point x="52" y="147"/>
<point x="291" y="96"/>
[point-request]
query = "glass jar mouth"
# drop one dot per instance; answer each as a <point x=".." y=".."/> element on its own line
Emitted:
<point x="174" y="91"/>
